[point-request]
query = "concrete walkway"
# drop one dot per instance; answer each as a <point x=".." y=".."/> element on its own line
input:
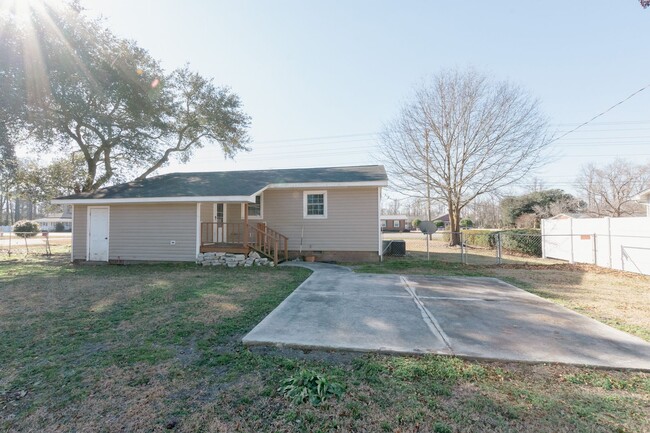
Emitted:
<point x="468" y="317"/>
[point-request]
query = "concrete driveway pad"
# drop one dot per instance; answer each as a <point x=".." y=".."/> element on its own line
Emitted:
<point x="468" y="317"/>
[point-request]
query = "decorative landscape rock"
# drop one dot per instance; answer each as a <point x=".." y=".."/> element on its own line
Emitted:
<point x="232" y="260"/>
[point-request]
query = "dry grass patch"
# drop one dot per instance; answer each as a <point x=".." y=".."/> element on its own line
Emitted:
<point x="616" y="298"/>
<point x="95" y="348"/>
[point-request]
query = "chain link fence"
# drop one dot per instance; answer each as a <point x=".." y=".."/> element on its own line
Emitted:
<point x="474" y="247"/>
<point x="490" y="247"/>
<point x="19" y="244"/>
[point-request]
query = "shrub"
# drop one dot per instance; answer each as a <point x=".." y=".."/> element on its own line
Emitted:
<point x="466" y="222"/>
<point x="26" y="229"/>
<point x="59" y="227"/>
<point x="308" y="386"/>
<point x="439" y="223"/>
<point x="416" y="223"/>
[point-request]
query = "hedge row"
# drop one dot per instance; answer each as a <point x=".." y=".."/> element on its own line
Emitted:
<point x="521" y="241"/>
<point x="476" y="238"/>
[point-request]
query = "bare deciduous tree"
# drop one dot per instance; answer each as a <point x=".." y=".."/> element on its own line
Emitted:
<point x="463" y="135"/>
<point x="608" y="190"/>
<point x="485" y="212"/>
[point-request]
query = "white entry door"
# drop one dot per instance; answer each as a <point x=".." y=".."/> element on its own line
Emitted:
<point x="219" y="218"/>
<point x="98" y="234"/>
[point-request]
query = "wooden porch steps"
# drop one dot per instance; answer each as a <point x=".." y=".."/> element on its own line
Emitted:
<point x="261" y="252"/>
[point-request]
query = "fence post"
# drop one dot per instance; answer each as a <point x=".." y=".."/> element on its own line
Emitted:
<point x="595" y="251"/>
<point x="10" y="244"/>
<point x="543" y="239"/>
<point x="462" y="247"/>
<point x="609" y="241"/>
<point x="571" y="260"/>
<point x="499" y="252"/>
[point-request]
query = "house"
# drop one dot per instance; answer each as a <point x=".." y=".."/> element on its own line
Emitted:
<point x="395" y="223"/>
<point x="330" y="213"/>
<point x="50" y="221"/>
<point x="644" y="198"/>
<point x="445" y="219"/>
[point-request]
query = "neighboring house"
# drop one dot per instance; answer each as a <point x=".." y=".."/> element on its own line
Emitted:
<point x="644" y="198"/>
<point x="444" y="218"/>
<point x="49" y="222"/>
<point x="395" y="223"/>
<point x="331" y="213"/>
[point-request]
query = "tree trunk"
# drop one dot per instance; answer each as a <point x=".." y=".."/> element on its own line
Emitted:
<point x="454" y="225"/>
<point x="17" y="210"/>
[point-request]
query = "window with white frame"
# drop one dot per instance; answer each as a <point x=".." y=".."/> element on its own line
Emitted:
<point x="255" y="210"/>
<point x="396" y="224"/>
<point x="383" y="223"/>
<point x="315" y="204"/>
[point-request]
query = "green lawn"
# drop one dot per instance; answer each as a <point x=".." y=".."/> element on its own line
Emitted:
<point x="157" y="348"/>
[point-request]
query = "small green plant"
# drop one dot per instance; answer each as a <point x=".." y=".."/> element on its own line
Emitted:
<point x="26" y="229"/>
<point x="59" y="227"/>
<point x="441" y="427"/>
<point x="439" y="224"/>
<point x="309" y="386"/>
<point x="416" y="223"/>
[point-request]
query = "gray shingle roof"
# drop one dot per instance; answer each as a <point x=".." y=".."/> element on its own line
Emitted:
<point x="230" y="183"/>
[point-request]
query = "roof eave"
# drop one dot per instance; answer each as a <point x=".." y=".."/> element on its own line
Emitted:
<point x="305" y="185"/>
<point x="151" y="200"/>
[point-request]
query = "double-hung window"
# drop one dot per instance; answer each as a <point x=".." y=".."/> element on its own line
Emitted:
<point x="254" y="209"/>
<point x="315" y="204"/>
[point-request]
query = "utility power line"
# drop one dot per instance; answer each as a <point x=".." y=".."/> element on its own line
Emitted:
<point x="601" y="114"/>
<point x="372" y="135"/>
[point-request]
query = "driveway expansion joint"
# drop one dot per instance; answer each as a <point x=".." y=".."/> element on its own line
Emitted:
<point x="428" y="318"/>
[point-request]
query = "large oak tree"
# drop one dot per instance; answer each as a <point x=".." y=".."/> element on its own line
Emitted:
<point x="73" y="87"/>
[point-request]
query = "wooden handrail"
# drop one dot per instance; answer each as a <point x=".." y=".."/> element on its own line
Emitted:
<point x="221" y="233"/>
<point x="269" y="241"/>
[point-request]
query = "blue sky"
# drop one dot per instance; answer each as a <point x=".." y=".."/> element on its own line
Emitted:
<point x="312" y="69"/>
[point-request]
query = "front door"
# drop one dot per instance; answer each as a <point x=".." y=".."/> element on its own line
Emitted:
<point x="98" y="234"/>
<point x="219" y="230"/>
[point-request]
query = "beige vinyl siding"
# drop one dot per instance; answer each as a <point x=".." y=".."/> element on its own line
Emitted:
<point x="79" y="232"/>
<point x="352" y="222"/>
<point x="207" y="210"/>
<point x="144" y="232"/>
<point x="234" y="213"/>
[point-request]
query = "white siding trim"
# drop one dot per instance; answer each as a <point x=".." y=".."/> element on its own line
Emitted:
<point x="72" y="234"/>
<point x="97" y="201"/>
<point x="304" y="205"/>
<point x="108" y="248"/>
<point x="198" y="229"/>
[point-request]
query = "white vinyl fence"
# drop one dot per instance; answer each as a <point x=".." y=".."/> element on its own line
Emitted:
<point x="616" y="243"/>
